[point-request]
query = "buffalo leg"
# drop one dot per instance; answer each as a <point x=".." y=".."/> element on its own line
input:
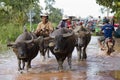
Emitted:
<point x="43" y="54"/>
<point x="79" y="53"/>
<point x="19" y="65"/>
<point x="23" y="62"/>
<point x="28" y="64"/>
<point x="69" y="60"/>
<point x="48" y="53"/>
<point x="84" y="53"/>
<point x="60" y="63"/>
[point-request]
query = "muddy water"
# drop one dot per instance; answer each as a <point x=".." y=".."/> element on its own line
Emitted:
<point x="98" y="66"/>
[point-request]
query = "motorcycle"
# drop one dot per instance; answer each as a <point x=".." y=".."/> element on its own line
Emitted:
<point x="109" y="42"/>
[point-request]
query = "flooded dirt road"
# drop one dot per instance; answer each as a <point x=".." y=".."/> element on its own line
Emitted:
<point x="98" y="66"/>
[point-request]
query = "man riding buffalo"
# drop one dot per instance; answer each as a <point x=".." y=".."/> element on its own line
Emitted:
<point x="44" y="27"/>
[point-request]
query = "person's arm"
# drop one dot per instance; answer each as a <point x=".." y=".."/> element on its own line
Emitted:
<point x="102" y="30"/>
<point x="59" y="25"/>
<point x="51" y="27"/>
<point x="103" y="27"/>
<point x="38" y="28"/>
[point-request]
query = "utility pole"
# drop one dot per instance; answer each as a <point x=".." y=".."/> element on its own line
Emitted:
<point x="30" y="15"/>
<point x="108" y="11"/>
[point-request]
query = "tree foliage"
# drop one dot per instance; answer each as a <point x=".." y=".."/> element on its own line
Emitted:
<point x="14" y="11"/>
<point x="55" y="13"/>
<point x="112" y="4"/>
<point x="106" y="3"/>
<point x="13" y="16"/>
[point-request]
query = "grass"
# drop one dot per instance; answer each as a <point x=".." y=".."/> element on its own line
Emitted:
<point x="10" y="32"/>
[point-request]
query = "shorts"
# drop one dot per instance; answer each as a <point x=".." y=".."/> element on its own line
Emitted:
<point x="102" y="38"/>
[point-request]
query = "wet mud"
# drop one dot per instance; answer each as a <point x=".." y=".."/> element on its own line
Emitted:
<point x="98" y="66"/>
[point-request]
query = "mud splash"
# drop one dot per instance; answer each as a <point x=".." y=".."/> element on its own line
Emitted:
<point x="98" y="66"/>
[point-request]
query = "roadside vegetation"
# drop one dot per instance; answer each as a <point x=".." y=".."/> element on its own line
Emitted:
<point x="13" y="16"/>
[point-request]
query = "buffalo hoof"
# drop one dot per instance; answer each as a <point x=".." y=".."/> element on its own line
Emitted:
<point x="49" y="57"/>
<point x="29" y="66"/>
<point x="108" y="53"/>
<point x="19" y="69"/>
<point x="60" y="68"/>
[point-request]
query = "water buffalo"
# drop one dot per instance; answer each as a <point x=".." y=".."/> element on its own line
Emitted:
<point x="83" y="37"/>
<point x="43" y="45"/>
<point x="25" y="49"/>
<point x="63" y="45"/>
<point x="82" y="40"/>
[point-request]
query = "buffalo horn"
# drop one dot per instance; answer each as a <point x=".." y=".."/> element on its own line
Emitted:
<point x="47" y="38"/>
<point x="29" y="41"/>
<point x="11" y="44"/>
<point x="40" y="38"/>
<point x="67" y="34"/>
<point x="52" y="36"/>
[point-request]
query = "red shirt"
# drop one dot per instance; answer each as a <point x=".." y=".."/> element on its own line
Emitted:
<point x="69" y="24"/>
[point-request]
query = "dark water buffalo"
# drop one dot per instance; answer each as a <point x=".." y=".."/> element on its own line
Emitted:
<point x="83" y="38"/>
<point x="63" y="45"/>
<point x="25" y="49"/>
<point x="43" y="46"/>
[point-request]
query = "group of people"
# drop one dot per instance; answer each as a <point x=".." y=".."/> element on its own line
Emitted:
<point x="45" y="27"/>
<point x="66" y="22"/>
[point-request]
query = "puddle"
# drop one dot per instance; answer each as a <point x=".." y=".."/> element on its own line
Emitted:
<point x="96" y="67"/>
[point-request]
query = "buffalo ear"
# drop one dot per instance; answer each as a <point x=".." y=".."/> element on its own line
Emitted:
<point x="30" y="45"/>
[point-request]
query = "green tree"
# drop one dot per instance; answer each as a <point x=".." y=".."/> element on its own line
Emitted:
<point x="14" y="11"/>
<point x="112" y="4"/>
<point x="55" y="13"/>
<point x="13" y="17"/>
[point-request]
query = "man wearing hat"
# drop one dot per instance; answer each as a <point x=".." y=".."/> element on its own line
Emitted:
<point x="44" y="27"/>
<point x="63" y="22"/>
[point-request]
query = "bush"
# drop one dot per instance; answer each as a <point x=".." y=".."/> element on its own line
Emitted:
<point x="9" y="32"/>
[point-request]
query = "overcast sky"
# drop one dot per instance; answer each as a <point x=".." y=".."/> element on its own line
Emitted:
<point x="81" y="8"/>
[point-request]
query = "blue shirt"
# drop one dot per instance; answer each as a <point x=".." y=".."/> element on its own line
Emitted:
<point x="108" y="29"/>
<point x="62" y="24"/>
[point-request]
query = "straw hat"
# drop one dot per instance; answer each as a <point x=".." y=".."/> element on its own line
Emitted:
<point x="43" y="14"/>
<point x="65" y="17"/>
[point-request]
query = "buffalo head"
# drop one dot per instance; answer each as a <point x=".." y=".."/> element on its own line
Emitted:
<point x="21" y="48"/>
<point x="81" y="38"/>
<point x="60" y="40"/>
